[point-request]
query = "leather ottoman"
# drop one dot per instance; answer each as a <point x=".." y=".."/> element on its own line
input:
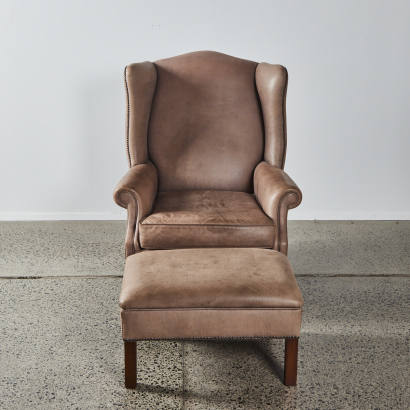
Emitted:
<point x="210" y="294"/>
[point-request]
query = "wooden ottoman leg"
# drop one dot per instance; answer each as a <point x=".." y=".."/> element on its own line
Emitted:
<point x="291" y="361"/>
<point x="130" y="355"/>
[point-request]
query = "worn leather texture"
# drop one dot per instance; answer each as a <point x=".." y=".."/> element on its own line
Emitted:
<point x="136" y="192"/>
<point x="209" y="293"/>
<point x="277" y="193"/>
<point x="209" y="278"/>
<point x="206" y="125"/>
<point x="195" y="219"/>
<point x="272" y="81"/>
<point x="204" y="121"/>
<point x="140" y="80"/>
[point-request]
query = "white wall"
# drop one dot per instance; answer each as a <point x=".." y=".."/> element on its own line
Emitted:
<point x="62" y="102"/>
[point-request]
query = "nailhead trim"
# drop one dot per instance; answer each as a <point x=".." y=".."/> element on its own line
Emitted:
<point x="128" y="116"/>
<point x="216" y="338"/>
<point x="284" y="119"/>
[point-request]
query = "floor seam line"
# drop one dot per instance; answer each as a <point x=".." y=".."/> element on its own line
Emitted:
<point x="183" y="374"/>
<point x="393" y="275"/>
<point x="351" y="275"/>
<point x="61" y="277"/>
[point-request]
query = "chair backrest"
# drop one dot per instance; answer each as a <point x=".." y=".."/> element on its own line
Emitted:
<point x="198" y="118"/>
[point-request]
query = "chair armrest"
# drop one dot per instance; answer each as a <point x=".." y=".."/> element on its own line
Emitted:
<point x="276" y="193"/>
<point x="136" y="192"/>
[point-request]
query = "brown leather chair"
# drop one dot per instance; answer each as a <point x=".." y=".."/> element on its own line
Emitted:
<point x="206" y="145"/>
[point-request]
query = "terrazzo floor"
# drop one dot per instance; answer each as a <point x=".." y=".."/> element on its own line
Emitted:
<point x="61" y="347"/>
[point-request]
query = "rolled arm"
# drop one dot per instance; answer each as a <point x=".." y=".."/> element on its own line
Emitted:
<point x="136" y="192"/>
<point x="276" y="193"/>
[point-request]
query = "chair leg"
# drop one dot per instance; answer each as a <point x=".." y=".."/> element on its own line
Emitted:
<point x="291" y="361"/>
<point x="130" y="355"/>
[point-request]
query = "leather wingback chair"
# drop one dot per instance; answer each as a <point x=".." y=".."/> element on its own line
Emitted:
<point x="206" y="146"/>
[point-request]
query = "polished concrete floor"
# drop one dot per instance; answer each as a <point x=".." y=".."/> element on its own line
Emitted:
<point x="61" y="348"/>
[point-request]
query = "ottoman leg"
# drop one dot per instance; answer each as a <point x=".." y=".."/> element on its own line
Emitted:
<point x="291" y="361"/>
<point x="130" y="355"/>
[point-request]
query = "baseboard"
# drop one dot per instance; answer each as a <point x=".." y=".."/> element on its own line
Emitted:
<point x="348" y="216"/>
<point x="293" y="215"/>
<point x="75" y="216"/>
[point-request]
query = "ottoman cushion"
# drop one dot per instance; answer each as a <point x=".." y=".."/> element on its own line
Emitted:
<point x="200" y="293"/>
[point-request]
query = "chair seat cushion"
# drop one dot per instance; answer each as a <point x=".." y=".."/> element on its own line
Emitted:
<point x="198" y="219"/>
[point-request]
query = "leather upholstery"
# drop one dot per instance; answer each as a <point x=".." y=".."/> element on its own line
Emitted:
<point x="272" y="83"/>
<point x="140" y="80"/>
<point x="210" y="293"/>
<point x="208" y="122"/>
<point x="276" y="193"/>
<point x="196" y="219"/>
<point x="136" y="192"/>
<point x="206" y="125"/>
<point x="161" y="324"/>
<point x="209" y="278"/>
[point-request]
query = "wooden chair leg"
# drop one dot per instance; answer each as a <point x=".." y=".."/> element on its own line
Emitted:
<point x="130" y="355"/>
<point x="291" y="361"/>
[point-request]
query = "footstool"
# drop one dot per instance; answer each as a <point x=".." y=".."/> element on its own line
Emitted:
<point x="210" y="294"/>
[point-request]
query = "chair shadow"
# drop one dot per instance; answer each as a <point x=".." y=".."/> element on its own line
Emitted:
<point x="226" y="396"/>
<point x="157" y="389"/>
<point x="260" y="348"/>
